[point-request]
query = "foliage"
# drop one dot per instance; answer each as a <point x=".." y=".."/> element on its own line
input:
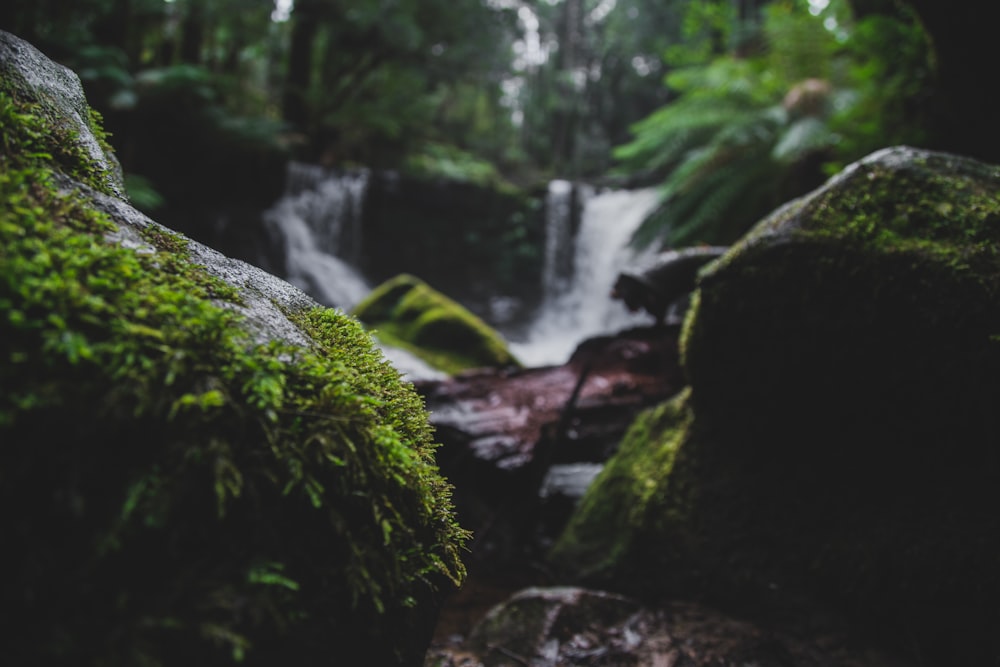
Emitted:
<point x="408" y="313"/>
<point x="892" y="71"/>
<point x="597" y="73"/>
<point x="452" y="163"/>
<point x="752" y="130"/>
<point x="174" y="493"/>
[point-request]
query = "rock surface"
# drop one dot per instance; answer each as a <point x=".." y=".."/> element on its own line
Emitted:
<point x="839" y="438"/>
<point x="503" y="431"/>
<point x="567" y="626"/>
<point x="407" y="312"/>
<point x="200" y="465"/>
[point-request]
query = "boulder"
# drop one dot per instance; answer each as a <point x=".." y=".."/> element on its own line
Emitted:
<point x="662" y="285"/>
<point x="838" y="439"/>
<point x="200" y="465"/>
<point x="408" y="313"/>
<point x="554" y="626"/>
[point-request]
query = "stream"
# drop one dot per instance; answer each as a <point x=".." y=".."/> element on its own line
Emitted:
<point x="318" y="223"/>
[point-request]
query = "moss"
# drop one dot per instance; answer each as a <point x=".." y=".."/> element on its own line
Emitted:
<point x="175" y="493"/>
<point x="42" y="131"/>
<point x="408" y="313"/>
<point x="841" y="430"/>
<point x="601" y="540"/>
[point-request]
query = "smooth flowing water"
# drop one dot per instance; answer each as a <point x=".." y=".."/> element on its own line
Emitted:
<point x="318" y="221"/>
<point x="577" y="301"/>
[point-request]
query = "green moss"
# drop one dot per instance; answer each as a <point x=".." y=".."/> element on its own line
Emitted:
<point x="838" y="441"/>
<point x="843" y="369"/>
<point x="37" y="129"/>
<point x="408" y="313"/>
<point x="626" y="504"/>
<point x="175" y="493"/>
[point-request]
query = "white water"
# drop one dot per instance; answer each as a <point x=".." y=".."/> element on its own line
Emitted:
<point x="318" y="219"/>
<point x="319" y="222"/>
<point x="580" y="306"/>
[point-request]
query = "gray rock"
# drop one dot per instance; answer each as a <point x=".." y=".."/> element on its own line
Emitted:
<point x="57" y="89"/>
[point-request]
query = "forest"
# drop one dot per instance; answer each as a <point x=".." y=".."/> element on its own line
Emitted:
<point x="214" y="461"/>
<point x="730" y="106"/>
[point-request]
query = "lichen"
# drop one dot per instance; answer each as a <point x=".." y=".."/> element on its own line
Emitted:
<point x="406" y="312"/>
<point x="174" y="492"/>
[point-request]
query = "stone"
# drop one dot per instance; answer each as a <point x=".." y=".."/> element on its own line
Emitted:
<point x="200" y="465"/>
<point x="838" y="439"/>
<point x="408" y="313"/>
<point x="565" y="625"/>
<point x="662" y="285"/>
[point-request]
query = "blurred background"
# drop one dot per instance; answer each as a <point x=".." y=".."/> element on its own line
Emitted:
<point x="340" y="142"/>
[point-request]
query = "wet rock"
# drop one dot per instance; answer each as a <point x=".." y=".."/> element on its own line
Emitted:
<point x="502" y="430"/>
<point x="661" y="286"/>
<point x="564" y="626"/>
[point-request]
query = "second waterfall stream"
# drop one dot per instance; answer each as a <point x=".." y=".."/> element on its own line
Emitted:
<point x="581" y="269"/>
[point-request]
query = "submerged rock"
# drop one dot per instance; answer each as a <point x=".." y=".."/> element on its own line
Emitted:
<point x="839" y="436"/>
<point x="200" y="465"/>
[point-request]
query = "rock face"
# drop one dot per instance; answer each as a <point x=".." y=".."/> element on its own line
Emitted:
<point x="199" y="464"/>
<point x="839" y="436"/>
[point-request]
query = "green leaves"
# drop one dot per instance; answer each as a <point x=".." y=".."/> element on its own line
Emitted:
<point x="747" y="131"/>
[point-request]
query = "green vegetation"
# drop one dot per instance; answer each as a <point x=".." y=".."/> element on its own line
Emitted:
<point x="406" y="312"/>
<point x="786" y="103"/>
<point x="630" y="492"/>
<point x="174" y="493"/>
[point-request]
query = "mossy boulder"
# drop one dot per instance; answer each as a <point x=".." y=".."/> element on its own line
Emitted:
<point x="199" y="465"/>
<point x="839" y="437"/>
<point x="407" y="312"/>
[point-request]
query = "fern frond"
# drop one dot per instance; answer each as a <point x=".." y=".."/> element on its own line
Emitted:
<point x="804" y="136"/>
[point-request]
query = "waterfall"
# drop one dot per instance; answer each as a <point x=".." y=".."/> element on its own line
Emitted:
<point x="319" y="223"/>
<point x="562" y="205"/>
<point x="577" y="301"/>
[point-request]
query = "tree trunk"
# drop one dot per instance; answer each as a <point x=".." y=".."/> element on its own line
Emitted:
<point x="305" y="24"/>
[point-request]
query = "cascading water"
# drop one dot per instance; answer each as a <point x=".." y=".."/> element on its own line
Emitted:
<point x="577" y="301"/>
<point x="318" y="220"/>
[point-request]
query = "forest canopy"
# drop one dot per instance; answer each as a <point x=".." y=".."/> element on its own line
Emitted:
<point x="732" y="105"/>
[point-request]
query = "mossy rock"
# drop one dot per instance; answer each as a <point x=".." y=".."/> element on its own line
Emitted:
<point x="200" y="465"/>
<point x="407" y="312"/>
<point x="839" y="439"/>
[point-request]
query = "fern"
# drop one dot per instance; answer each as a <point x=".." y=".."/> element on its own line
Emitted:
<point x="727" y="146"/>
